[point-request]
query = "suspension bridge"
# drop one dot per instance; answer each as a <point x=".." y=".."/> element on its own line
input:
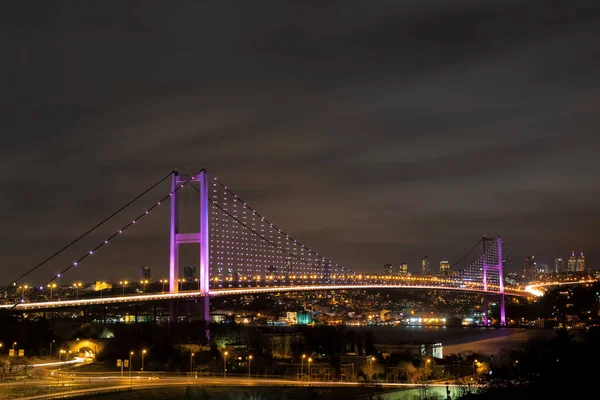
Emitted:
<point x="242" y="252"/>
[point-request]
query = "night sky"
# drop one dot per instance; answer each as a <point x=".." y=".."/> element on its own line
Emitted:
<point x="373" y="131"/>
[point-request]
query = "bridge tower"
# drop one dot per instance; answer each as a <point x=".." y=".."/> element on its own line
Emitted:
<point x="201" y="237"/>
<point x="492" y="268"/>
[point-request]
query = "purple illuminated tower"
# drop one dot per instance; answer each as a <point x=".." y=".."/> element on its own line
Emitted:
<point x="492" y="268"/>
<point x="201" y="237"/>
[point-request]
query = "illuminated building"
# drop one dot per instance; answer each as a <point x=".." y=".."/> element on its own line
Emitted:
<point x="425" y="265"/>
<point x="145" y="273"/>
<point x="559" y="265"/>
<point x="530" y="270"/>
<point x="388" y="269"/>
<point x="189" y="273"/>
<point x="572" y="263"/>
<point x="581" y="262"/>
<point x="444" y="267"/>
<point x="403" y="269"/>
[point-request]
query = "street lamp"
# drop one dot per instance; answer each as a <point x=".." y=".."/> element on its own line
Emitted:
<point x="123" y="284"/>
<point x="302" y="367"/>
<point x="181" y="282"/>
<point x="77" y="286"/>
<point x="371" y="367"/>
<point x="51" y="286"/>
<point x="13" y="345"/>
<point x="249" y="361"/>
<point x="59" y="354"/>
<point x="309" y="361"/>
<point x="144" y="282"/>
<point x="474" y="363"/>
<point x="163" y="281"/>
<point x="143" y="354"/>
<point x="23" y="288"/>
<point x="130" y="378"/>
<point x="102" y="284"/>
<point x="191" y="363"/>
<point x="426" y="371"/>
<point x="225" y="364"/>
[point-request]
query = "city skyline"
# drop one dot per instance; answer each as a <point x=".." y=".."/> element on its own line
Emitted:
<point x="371" y="135"/>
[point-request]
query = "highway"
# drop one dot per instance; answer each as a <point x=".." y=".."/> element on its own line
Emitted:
<point x="77" y="385"/>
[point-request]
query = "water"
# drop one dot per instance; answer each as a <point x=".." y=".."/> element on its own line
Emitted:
<point x="457" y="339"/>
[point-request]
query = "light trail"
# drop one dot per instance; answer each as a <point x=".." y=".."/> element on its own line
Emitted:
<point x="532" y="289"/>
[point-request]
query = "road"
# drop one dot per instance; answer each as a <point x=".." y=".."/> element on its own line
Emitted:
<point x="78" y="385"/>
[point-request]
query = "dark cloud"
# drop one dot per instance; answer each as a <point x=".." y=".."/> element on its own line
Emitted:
<point x="373" y="132"/>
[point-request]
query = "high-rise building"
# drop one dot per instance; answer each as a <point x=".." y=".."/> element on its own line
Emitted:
<point x="145" y="273"/>
<point x="559" y="265"/>
<point x="444" y="267"/>
<point x="530" y="270"/>
<point x="572" y="263"/>
<point x="389" y="269"/>
<point x="189" y="273"/>
<point x="581" y="262"/>
<point x="403" y="269"/>
<point x="425" y="266"/>
<point x="542" y="268"/>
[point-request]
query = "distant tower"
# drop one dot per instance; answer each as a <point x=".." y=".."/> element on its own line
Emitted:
<point x="572" y="263"/>
<point x="530" y="270"/>
<point x="581" y="262"/>
<point x="559" y="265"/>
<point x="425" y="265"/>
<point x="444" y="267"/>
<point x="403" y="269"/>
<point x="189" y="273"/>
<point x="145" y="273"/>
<point x="389" y="269"/>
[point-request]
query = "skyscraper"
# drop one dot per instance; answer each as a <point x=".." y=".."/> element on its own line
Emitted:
<point x="572" y="263"/>
<point x="425" y="265"/>
<point x="403" y="269"/>
<point x="530" y="270"/>
<point x="189" y="273"/>
<point x="559" y="265"/>
<point x="581" y="262"/>
<point x="145" y="273"/>
<point x="389" y="269"/>
<point x="444" y="267"/>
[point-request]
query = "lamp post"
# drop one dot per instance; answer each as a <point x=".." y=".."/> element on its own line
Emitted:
<point x="77" y="286"/>
<point x="144" y="282"/>
<point x="123" y="284"/>
<point x="143" y="354"/>
<point x="302" y="367"/>
<point x="191" y="363"/>
<point x="1" y="345"/>
<point x="309" y="361"/>
<point x="181" y="282"/>
<point x="249" y="361"/>
<point x="130" y="377"/>
<point x="225" y="364"/>
<point x="426" y="370"/>
<point x="13" y="345"/>
<point x="474" y="363"/>
<point x="59" y="354"/>
<point x="163" y="281"/>
<point x="371" y="367"/>
<point x="51" y="286"/>
<point x="23" y="288"/>
<point x="102" y="288"/>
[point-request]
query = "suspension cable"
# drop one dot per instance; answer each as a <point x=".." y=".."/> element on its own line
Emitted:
<point x="89" y="230"/>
